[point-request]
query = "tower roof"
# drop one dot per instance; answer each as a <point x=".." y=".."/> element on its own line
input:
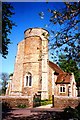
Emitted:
<point x="36" y="32"/>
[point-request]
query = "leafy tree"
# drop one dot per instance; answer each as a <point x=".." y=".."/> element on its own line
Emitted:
<point x="69" y="66"/>
<point x="67" y="37"/>
<point x="7" y="25"/>
<point x="0" y="25"/>
<point x="4" y="81"/>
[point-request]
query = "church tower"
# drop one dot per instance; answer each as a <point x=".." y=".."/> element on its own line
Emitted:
<point x="31" y="65"/>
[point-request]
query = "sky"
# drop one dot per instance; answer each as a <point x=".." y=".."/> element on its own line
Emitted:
<point x="26" y="16"/>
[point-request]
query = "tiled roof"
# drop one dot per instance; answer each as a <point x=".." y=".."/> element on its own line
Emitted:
<point x="55" y="67"/>
<point x="63" y="78"/>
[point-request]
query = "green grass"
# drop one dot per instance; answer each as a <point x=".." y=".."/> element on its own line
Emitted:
<point x="46" y="102"/>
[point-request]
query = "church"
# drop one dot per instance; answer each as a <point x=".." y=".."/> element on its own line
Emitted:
<point x="34" y="73"/>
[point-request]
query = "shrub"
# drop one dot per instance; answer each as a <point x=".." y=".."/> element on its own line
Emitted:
<point x="78" y="110"/>
<point x="71" y="113"/>
<point x="5" y="106"/>
<point x="36" y="102"/>
<point x="46" y="102"/>
<point x="21" y="106"/>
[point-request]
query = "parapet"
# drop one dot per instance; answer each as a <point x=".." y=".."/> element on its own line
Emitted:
<point x="36" y="32"/>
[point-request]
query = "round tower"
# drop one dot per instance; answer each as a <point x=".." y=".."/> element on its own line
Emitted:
<point x="31" y="68"/>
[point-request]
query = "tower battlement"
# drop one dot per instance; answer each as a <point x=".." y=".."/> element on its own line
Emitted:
<point x="36" y="32"/>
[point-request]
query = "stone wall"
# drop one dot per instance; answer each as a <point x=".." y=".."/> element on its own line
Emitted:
<point x="50" y="89"/>
<point x="14" y="101"/>
<point x="59" y="102"/>
<point x="18" y="70"/>
<point x="62" y="102"/>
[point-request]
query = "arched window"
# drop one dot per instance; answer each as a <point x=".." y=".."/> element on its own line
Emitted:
<point x="28" y="79"/>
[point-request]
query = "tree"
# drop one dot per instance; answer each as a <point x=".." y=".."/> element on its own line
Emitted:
<point x="69" y="66"/>
<point x="4" y="81"/>
<point x="67" y="37"/>
<point x="0" y="25"/>
<point x="7" y="25"/>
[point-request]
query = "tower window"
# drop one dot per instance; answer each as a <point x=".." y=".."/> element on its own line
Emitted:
<point x="28" y="80"/>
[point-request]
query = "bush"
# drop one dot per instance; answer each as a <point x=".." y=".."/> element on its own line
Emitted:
<point x="21" y="106"/>
<point x="5" y="106"/>
<point x="36" y="102"/>
<point x="78" y="110"/>
<point x="46" y="102"/>
<point x="70" y="113"/>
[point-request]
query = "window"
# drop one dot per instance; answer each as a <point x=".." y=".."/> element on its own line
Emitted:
<point x="28" y="80"/>
<point x="62" y="89"/>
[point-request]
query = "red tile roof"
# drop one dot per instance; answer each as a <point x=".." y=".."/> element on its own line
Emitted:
<point x="63" y="77"/>
<point x="55" y="67"/>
